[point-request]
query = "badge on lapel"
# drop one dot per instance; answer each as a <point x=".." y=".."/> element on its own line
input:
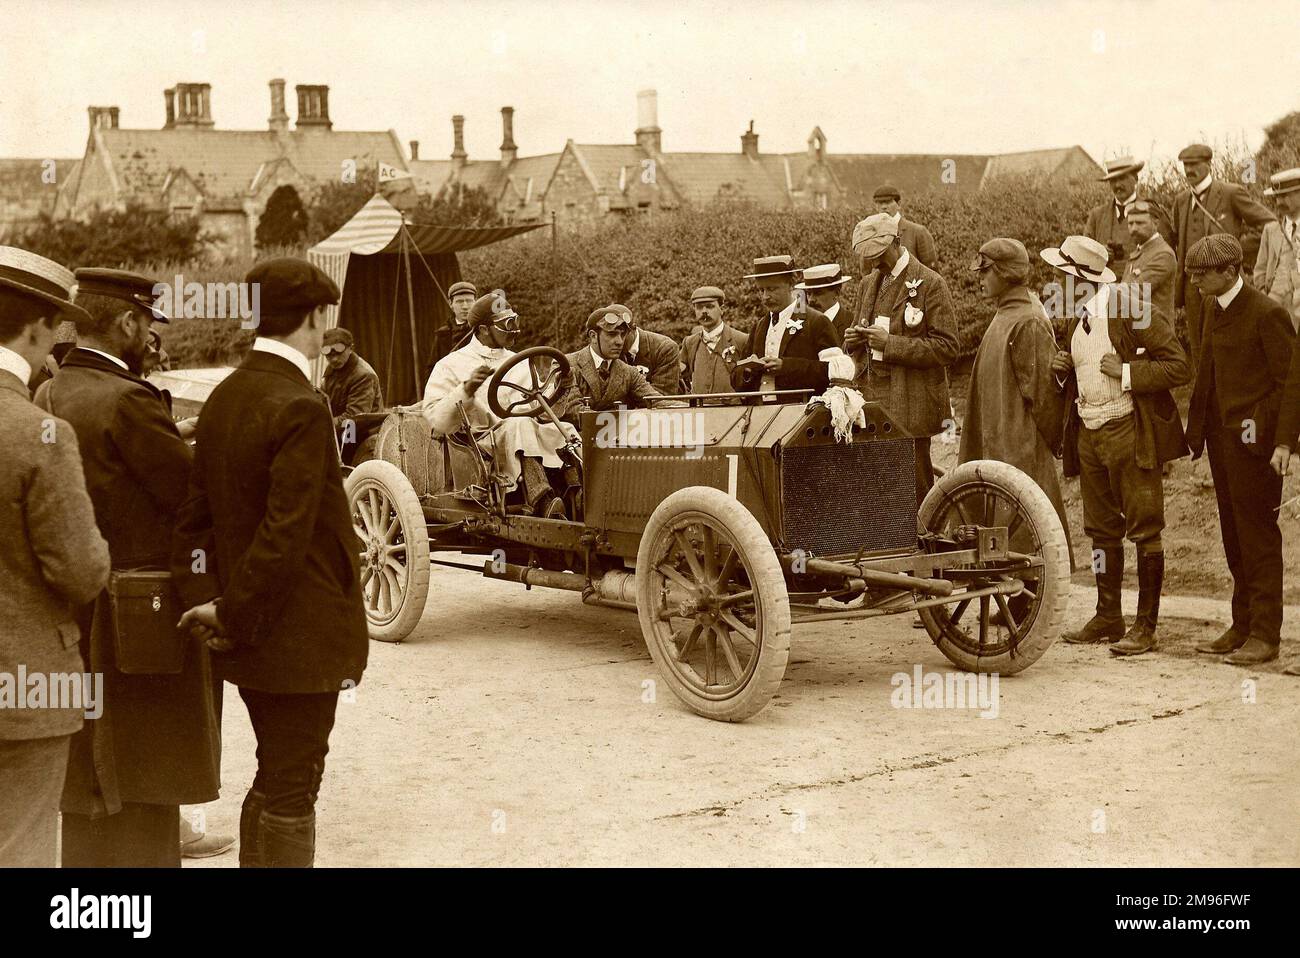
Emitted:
<point x="912" y="315"/>
<point x="794" y="325"/>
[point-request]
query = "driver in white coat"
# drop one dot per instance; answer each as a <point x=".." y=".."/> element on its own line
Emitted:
<point x="521" y="448"/>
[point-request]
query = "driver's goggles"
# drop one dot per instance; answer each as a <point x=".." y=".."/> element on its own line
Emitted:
<point x="508" y="324"/>
<point x="613" y="323"/>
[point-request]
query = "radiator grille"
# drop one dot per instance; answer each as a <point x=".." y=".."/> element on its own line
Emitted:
<point x="839" y="498"/>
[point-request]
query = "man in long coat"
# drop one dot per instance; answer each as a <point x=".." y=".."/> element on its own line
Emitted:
<point x="53" y="560"/>
<point x="916" y="343"/>
<point x="1014" y="412"/>
<point x="280" y="598"/>
<point x="157" y="745"/>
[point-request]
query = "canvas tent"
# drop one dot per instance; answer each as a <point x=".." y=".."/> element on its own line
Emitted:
<point x="394" y="277"/>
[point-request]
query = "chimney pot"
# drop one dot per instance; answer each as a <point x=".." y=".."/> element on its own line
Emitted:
<point x="170" y="97"/>
<point x="278" y="122"/>
<point x="749" y="142"/>
<point x="102" y="117"/>
<point x="648" y="133"/>
<point x="508" y="149"/>
<point x="313" y="106"/>
<point x="458" y="154"/>
<point x="415" y="149"/>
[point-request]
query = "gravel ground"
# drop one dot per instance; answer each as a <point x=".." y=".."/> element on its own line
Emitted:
<point x="523" y="728"/>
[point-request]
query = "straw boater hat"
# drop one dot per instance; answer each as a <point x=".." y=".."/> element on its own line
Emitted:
<point x="1121" y="166"/>
<point x="1288" y="181"/>
<point x="1080" y="256"/>
<point x="770" y="267"/>
<point x="826" y="276"/>
<point x="41" y="278"/>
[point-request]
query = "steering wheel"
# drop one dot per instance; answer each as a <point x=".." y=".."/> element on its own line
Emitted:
<point x="545" y="376"/>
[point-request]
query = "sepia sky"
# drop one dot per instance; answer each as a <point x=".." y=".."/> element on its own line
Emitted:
<point x="950" y="76"/>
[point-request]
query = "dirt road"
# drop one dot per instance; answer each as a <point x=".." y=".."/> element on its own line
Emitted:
<point x="520" y="728"/>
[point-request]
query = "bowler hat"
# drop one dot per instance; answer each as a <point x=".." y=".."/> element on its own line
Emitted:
<point x="1080" y="256"/>
<point x="34" y="275"/>
<point x="770" y="267"/>
<point x="1287" y="181"/>
<point x="1121" y="166"/>
<point x="827" y="276"/>
<point x="121" y="284"/>
<point x="288" y="285"/>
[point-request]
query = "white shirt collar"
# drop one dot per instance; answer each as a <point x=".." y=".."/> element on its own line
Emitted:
<point x="1129" y="201"/>
<point x="1225" y="299"/>
<point x="1202" y="186"/>
<point x="276" y="348"/>
<point x="11" y="362"/>
<point x="480" y="350"/>
<point x="109" y="356"/>
<point x="901" y="265"/>
<point x="1142" y="245"/>
<point x="898" y="217"/>
<point x="597" y="358"/>
<point x="832" y="310"/>
<point x="714" y="334"/>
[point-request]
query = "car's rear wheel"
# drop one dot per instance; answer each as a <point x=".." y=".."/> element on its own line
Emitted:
<point x="713" y="604"/>
<point x="394" y="544"/>
<point x="998" y="633"/>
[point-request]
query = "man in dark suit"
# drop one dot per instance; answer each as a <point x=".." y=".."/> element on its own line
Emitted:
<point x="1208" y="207"/>
<point x="279" y="593"/>
<point x="1151" y="265"/>
<point x="823" y="285"/>
<point x="600" y="379"/>
<point x="903" y="338"/>
<point x="157" y="745"/>
<point x="791" y="337"/>
<point x="1108" y="222"/>
<point x="1120" y="361"/>
<point x="1246" y="353"/>
<point x="53" y="561"/>
<point x="914" y="237"/>
<point x="656" y="355"/>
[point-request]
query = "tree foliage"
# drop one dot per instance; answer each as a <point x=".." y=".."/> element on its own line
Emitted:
<point x="283" y="222"/>
<point x="115" y="238"/>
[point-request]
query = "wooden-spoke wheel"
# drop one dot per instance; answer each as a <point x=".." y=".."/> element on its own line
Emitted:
<point x="713" y="605"/>
<point x="394" y="548"/>
<point x="999" y="633"/>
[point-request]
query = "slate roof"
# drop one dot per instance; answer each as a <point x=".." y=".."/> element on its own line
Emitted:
<point x="702" y="178"/>
<point x="861" y="173"/>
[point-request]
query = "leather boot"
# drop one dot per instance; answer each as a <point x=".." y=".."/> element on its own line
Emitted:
<point x="1108" y="624"/>
<point x="289" y="841"/>
<point x="251" y="853"/>
<point x="1142" y="636"/>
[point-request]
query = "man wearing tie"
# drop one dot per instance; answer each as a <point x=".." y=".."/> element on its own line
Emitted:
<point x="792" y="335"/>
<point x="713" y="347"/>
<point x="1277" y="268"/>
<point x="1205" y="208"/>
<point x="822" y="285"/>
<point x="1108" y="222"/>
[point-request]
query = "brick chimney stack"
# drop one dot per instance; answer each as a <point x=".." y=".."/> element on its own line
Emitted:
<point x="749" y="142"/>
<point x="509" y="152"/>
<point x="415" y="149"/>
<point x="313" y="106"/>
<point x="648" y="134"/>
<point x="458" y="154"/>
<point x="278" y="122"/>
<point x="170" y="97"/>
<point x="102" y="117"/>
<point x="193" y="106"/>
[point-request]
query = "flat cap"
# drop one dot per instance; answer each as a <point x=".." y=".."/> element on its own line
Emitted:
<point x="707" y="292"/>
<point x="287" y="284"/>
<point x="1216" y="251"/>
<point x="1008" y="256"/>
<point x="1197" y="151"/>
<point x="611" y="317"/>
<point x="489" y="309"/>
<point x="886" y="192"/>
<point x="121" y="284"/>
<point x="461" y="287"/>
<point x="874" y="234"/>
<point x="337" y="334"/>
<point x="1144" y="206"/>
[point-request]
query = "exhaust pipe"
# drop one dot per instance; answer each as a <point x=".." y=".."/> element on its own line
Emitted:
<point x="615" y="588"/>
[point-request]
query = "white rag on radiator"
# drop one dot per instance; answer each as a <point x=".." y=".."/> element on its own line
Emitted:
<point x="844" y="402"/>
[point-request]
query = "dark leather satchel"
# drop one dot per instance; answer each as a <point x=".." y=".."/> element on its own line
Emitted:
<point x="145" y="609"/>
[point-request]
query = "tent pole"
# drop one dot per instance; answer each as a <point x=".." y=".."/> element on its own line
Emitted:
<point x="555" y="291"/>
<point x="410" y="299"/>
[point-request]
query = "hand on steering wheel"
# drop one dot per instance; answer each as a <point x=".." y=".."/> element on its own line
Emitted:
<point x="546" y="383"/>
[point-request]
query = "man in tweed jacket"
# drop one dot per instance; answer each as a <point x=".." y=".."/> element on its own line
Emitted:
<point x="53" y="560"/>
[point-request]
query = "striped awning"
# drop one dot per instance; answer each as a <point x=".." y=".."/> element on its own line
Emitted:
<point x="377" y="227"/>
